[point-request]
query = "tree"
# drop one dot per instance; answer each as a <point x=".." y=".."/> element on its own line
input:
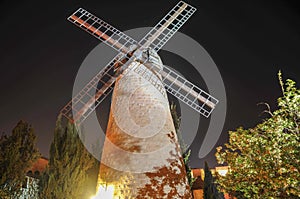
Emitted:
<point x="185" y="154"/>
<point x="264" y="161"/>
<point x="69" y="164"/>
<point x="210" y="187"/>
<point x="17" y="154"/>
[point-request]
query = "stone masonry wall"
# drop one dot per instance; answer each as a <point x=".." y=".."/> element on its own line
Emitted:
<point x="141" y="156"/>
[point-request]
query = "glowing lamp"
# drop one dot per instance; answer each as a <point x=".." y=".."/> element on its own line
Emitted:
<point x="106" y="192"/>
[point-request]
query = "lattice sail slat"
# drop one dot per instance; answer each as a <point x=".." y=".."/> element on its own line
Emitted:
<point x="168" y="26"/>
<point x="102" y="30"/>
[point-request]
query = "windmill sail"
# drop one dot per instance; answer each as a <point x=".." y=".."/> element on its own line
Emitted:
<point x="102" y="30"/>
<point x="187" y="92"/>
<point x="168" y="26"/>
<point x="88" y="99"/>
<point x="85" y="102"/>
<point x="179" y="87"/>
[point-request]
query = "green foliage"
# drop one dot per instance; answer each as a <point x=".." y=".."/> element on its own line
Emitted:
<point x="67" y="174"/>
<point x="210" y="187"/>
<point x="177" y="121"/>
<point x="183" y="147"/>
<point x="17" y="154"/>
<point x="186" y="159"/>
<point x="265" y="160"/>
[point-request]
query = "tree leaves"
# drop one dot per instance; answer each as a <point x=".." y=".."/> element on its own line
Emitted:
<point x="265" y="160"/>
<point x="17" y="154"/>
<point x="69" y="165"/>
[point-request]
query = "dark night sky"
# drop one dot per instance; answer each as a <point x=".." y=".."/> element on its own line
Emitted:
<point x="41" y="53"/>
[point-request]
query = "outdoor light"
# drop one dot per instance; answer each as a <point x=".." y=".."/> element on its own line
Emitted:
<point x="222" y="172"/>
<point x="106" y="192"/>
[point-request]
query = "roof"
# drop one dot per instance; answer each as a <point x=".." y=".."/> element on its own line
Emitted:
<point x="40" y="165"/>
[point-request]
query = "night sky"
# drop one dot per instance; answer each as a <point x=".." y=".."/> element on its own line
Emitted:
<point x="41" y="52"/>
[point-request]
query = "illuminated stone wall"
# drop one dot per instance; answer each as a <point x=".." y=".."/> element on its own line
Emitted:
<point x="141" y="156"/>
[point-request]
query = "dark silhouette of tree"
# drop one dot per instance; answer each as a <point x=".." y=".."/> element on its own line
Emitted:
<point x="210" y="187"/>
<point x="17" y="154"/>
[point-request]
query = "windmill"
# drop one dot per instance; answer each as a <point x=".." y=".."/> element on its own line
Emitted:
<point x="141" y="147"/>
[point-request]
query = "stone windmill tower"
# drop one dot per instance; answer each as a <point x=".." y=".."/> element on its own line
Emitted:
<point x="141" y="157"/>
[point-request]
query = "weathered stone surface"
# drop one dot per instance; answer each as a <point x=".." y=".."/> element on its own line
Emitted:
<point x="141" y="155"/>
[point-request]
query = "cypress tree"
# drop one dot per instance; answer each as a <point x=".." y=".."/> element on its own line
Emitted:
<point x="210" y="188"/>
<point x="68" y="166"/>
